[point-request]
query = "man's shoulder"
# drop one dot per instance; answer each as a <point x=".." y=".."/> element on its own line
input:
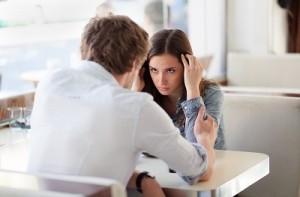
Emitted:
<point x="54" y="77"/>
<point x="133" y="96"/>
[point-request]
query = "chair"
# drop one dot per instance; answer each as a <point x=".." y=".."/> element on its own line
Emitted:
<point x="14" y="183"/>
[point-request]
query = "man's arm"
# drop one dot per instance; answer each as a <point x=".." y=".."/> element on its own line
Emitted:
<point x="205" y="133"/>
<point x="157" y="135"/>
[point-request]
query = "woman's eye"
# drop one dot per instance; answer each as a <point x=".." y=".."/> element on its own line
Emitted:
<point x="171" y="70"/>
<point x="153" y="70"/>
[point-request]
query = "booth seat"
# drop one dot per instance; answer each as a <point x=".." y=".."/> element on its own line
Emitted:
<point x="263" y="70"/>
<point x="267" y="123"/>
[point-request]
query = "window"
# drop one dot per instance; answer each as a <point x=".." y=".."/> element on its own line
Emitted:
<point x="36" y="35"/>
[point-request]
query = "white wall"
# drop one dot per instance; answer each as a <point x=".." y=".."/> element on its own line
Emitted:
<point x="250" y="26"/>
<point x="256" y="26"/>
<point x="257" y="45"/>
<point x="207" y="24"/>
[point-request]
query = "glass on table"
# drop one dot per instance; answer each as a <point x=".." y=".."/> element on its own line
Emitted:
<point x="19" y="118"/>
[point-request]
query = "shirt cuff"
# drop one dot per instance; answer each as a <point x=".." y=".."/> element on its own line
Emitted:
<point x="202" y="168"/>
<point x="192" y="106"/>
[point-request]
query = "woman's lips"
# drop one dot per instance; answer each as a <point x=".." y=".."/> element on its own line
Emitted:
<point x="163" y="89"/>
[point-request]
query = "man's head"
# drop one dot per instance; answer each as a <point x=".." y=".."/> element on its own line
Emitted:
<point x="115" y="42"/>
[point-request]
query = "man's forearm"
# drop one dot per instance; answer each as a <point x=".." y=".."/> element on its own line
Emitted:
<point x="211" y="157"/>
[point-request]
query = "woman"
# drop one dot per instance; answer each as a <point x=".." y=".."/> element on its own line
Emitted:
<point x="174" y="77"/>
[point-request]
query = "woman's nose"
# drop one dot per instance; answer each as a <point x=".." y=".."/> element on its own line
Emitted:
<point x="162" y="79"/>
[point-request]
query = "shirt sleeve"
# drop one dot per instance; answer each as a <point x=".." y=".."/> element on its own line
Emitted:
<point x="157" y="135"/>
<point x="202" y="152"/>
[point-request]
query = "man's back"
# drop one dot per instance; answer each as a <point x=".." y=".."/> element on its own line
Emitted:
<point x="83" y="124"/>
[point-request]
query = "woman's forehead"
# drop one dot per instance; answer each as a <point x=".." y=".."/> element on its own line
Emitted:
<point x="164" y="60"/>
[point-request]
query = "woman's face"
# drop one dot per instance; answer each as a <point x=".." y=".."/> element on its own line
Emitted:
<point x="167" y="74"/>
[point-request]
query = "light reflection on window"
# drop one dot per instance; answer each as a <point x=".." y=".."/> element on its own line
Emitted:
<point x="36" y="32"/>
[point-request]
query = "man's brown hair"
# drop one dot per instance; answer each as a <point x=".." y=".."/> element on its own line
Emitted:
<point x="114" y="41"/>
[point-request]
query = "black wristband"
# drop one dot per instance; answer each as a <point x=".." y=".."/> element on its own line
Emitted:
<point x="139" y="179"/>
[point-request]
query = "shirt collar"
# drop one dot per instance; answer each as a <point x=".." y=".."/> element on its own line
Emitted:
<point x="96" y="70"/>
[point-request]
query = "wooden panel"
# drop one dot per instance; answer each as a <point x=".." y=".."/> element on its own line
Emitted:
<point x="22" y="100"/>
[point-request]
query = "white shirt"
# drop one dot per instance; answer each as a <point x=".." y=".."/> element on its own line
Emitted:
<point x="85" y="123"/>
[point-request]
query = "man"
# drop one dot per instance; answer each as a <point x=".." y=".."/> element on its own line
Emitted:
<point x="86" y="120"/>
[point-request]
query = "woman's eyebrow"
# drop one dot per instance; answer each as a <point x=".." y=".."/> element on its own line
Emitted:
<point x="171" y="67"/>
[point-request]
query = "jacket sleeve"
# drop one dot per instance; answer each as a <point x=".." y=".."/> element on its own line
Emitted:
<point x="213" y="102"/>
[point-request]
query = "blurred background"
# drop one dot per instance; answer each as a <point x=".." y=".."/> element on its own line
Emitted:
<point x="38" y="35"/>
<point x="251" y="47"/>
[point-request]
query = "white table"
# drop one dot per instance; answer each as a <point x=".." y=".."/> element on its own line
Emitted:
<point x="34" y="76"/>
<point x="13" y="150"/>
<point x="233" y="172"/>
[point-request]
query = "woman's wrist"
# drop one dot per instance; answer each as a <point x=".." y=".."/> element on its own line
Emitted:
<point x="192" y="93"/>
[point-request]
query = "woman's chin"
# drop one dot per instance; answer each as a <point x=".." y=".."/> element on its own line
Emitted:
<point x="164" y="93"/>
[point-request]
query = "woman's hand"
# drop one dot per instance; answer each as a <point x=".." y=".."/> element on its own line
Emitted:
<point x="193" y="71"/>
<point x="205" y="128"/>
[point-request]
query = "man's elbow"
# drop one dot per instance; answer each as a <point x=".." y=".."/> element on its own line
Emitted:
<point x="207" y="175"/>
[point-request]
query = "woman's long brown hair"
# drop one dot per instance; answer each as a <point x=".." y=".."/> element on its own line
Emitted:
<point x="173" y="42"/>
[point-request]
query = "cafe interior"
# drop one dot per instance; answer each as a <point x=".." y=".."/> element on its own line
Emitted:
<point x="250" y="47"/>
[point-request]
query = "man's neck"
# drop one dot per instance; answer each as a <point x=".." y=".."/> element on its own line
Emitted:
<point x="122" y="80"/>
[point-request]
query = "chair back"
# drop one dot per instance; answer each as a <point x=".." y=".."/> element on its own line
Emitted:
<point x="271" y="125"/>
<point x="14" y="183"/>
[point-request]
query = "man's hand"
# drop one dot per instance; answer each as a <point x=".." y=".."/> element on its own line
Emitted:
<point x="139" y="83"/>
<point x="205" y="127"/>
<point x="205" y="131"/>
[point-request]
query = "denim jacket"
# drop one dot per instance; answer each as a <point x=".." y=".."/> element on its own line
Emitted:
<point x="187" y="111"/>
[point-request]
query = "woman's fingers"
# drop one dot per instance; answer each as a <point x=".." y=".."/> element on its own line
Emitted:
<point x="184" y="60"/>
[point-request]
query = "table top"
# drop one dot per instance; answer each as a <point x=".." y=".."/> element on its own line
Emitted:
<point x="233" y="172"/>
<point x="33" y="76"/>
